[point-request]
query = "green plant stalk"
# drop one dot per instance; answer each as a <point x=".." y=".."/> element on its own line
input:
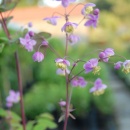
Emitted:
<point x="18" y="73"/>
<point x="67" y="82"/>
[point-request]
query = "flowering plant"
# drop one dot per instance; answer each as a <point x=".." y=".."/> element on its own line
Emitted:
<point x="32" y="41"/>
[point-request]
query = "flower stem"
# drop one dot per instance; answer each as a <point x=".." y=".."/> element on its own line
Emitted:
<point x="20" y="89"/>
<point x="67" y="102"/>
<point x="67" y="81"/>
<point x="18" y="73"/>
<point x="66" y="49"/>
<point x="75" y="7"/>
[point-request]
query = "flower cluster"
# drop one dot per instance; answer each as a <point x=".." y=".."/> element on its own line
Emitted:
<point x="62" y="63"/>
<point x="29" y="42"/>
<point x="78" y="81"/>
<point x="92" y="65"/>
<point x="14" y="97"/>
<point x="106" y="54"/>
<point x="91" y="15"/>
<point x="98" y="87"/>
<point x="125" y="65"/>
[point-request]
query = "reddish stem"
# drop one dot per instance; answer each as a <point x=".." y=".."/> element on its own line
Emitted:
<point x="67" y="102"/>
<point x="67" y="82"/>
<point x="20" y="89"/>
<point x="18" y="73"/>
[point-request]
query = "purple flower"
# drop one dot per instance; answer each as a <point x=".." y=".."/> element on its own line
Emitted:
<point x="62" y="103"/>
<point x="52" y="20"/>
<point x="118" y="65"/>
<point x="13" y="97"/>
<point x="78" y="81"/>
<point x="45" y="43"/>
<point x="38" y="56"/>
<point x="62" y="72"/>
<point x="87" y="8"/>
<point x="92" y="65"/>
<point x="96" y="11"/>
<point x="30" y="24"/>
<point x="98" y="87"/>
<point x="126" y="66"/>
<point x="92" y="21"/>
<point x="106" y="54"/>
<point x="62" y="63"/>
<point x="31" y="33"/>
<point x="69" y="27"/>
<point x="65" y="3"/>
<point x="27" y="42"/>
<point x="73" y="38"/>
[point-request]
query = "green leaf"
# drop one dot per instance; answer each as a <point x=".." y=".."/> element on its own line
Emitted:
<point x="42" y="35"/>
<point x="3" y="39"/>
<point x="46" y="115"/>
<point x="9" y="18"/>
<point x="39" y="127"/>
<point x="47" y="123"/>
<point x="29" y="125"/>
<point x="1" y="47"/>
<point x="7" y="7"/>
<point x="3" y="113"/>
<point x="16" y="126"/>
<point x="15" y="117"/>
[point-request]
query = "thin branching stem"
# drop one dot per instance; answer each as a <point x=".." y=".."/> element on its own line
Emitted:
<point x="57" y="13"/>
<point x="121" y="56"/>
<point x="54" y="51"/>
<point x="75" y="7"/>
<point x="76" y="75"/>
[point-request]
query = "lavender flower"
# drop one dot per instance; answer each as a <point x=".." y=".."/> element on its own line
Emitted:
<point x="14" y="97"/>
<point x="62" y="63"/>
<point x="38" y="56"/>
<point x="73" y="39"/>
<point x="98" y="87"/>
<point x="62" y="103"/>
<point x="45" y="43"/>
<point x="118" y="65"/>
<point x="92" y="65"/>
<point x="30" y="24"/>
<point x="65" y="3"/>
<point x="126" y="66"/>
<point x="78" y="81"/>
<point x="69" y="27"/>
<point x="27" y="42"/>
<point x="87" y="8"/>
<point x="52" y="20"/>
<point x="92" y="21"/>
<point x="31" y="33"/>
<point x="62" y="72"/>
<point x="106" y="54"/>
<point x="96" y="11"/>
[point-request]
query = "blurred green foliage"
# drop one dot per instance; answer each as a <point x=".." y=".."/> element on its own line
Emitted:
<point x="42" y="122"/>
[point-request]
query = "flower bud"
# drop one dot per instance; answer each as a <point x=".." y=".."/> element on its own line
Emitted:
<point x="38" y="56"/>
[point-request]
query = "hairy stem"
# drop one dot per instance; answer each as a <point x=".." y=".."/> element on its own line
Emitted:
<point x="18" y="73"/>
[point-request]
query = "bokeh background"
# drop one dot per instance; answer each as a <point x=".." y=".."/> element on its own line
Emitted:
<point x="43" y="89"/>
